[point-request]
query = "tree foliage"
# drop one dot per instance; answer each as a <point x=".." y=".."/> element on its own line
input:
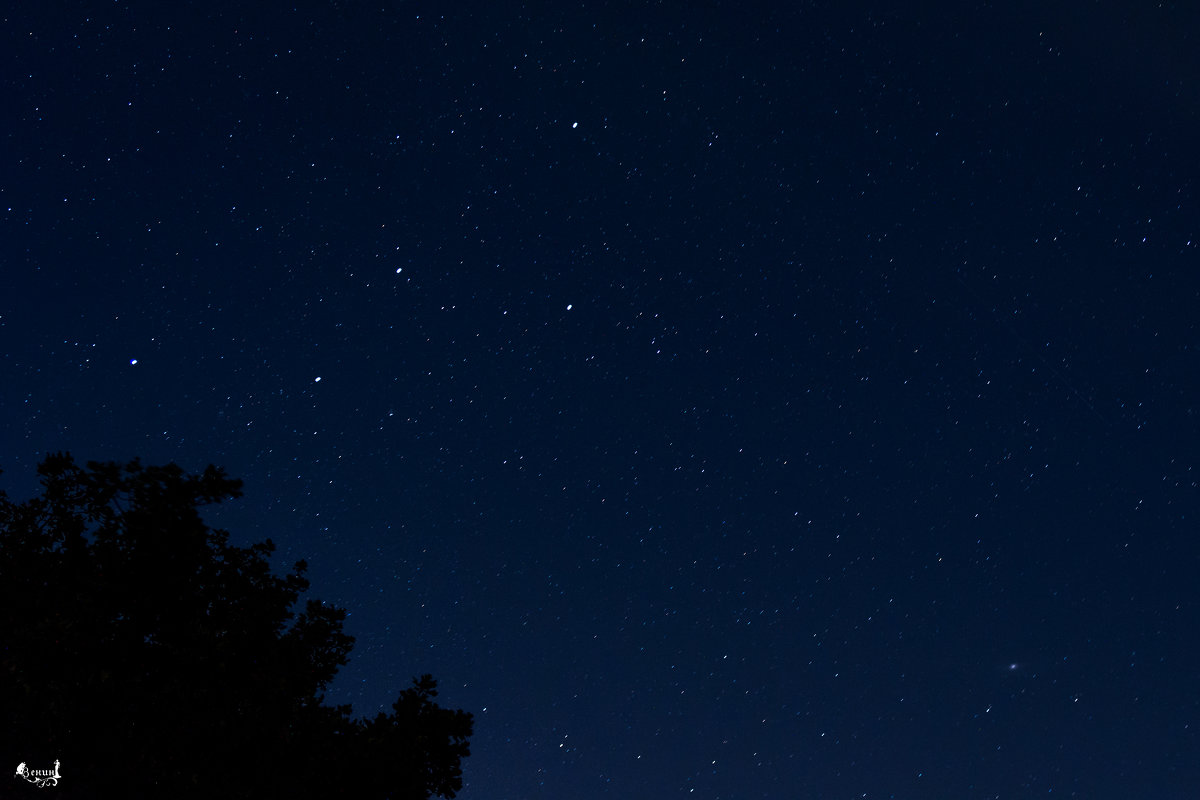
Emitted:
<point x="154" y="658"/>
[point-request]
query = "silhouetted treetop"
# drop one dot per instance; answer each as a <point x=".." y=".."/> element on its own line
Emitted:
<point x="150" y="655"/>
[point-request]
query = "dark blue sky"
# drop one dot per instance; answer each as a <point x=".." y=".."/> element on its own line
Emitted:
<point x="721" y="401"/>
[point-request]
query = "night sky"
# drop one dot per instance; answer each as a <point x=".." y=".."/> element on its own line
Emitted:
<point x="721" y="400"/>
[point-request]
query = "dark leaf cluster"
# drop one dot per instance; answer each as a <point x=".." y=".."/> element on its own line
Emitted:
<point x="154" y="658"/>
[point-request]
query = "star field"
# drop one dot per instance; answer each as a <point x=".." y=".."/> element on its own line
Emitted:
<point x="720" y="401"/>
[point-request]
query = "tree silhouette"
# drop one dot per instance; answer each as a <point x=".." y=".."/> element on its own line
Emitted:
<point x="155" y="659"/>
